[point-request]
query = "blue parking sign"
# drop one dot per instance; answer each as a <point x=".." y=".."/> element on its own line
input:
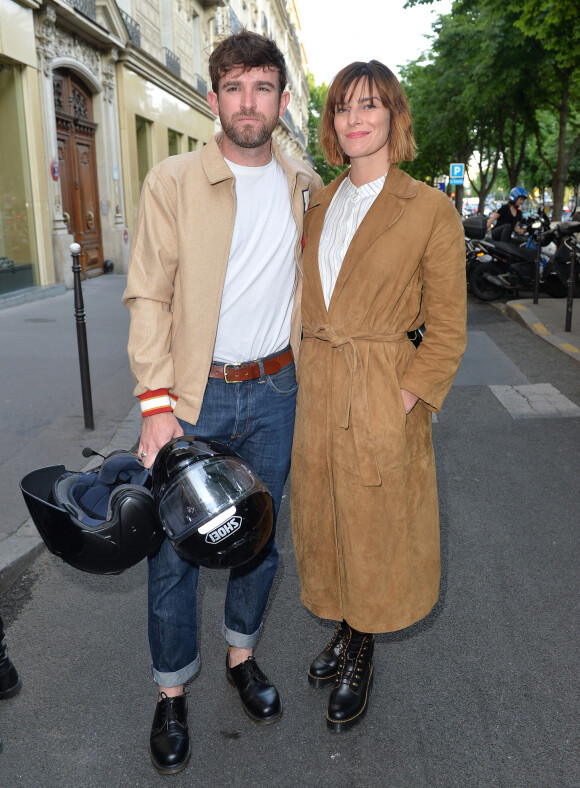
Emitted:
<point x="457" y="171"/>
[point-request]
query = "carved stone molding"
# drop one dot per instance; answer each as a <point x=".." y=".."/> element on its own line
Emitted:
<point x="46" y="38"/>
<point x="109" y="82"/>
<point x="53" y="41"/>
<point x="110" y="76"/>
<point x="70" y="45"/>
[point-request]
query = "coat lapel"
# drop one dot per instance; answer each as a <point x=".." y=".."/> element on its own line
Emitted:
<point x="386" y="210"/>
<point x="313" y="223"/>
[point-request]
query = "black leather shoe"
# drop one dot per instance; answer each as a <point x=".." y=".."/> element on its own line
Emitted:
<point x="169" y="741"/>
<point x="259" y="696"/>
<point x="349" y="699"/>
<point x="10" y="683"/>
<point x="324" y="668"/>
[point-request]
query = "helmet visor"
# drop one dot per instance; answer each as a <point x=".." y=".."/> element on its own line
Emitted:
<point x="204" y="495"/>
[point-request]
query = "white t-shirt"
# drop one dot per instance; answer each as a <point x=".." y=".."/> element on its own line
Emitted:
<point x="345" y="213"/>
<point x="258" y="293"/>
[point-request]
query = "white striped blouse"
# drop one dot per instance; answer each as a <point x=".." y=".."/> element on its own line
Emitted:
<point x="348" y="208"/>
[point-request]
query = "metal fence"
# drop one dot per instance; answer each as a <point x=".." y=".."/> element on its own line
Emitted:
<point x="172" y="62"/>
<point x="87" y="8"/>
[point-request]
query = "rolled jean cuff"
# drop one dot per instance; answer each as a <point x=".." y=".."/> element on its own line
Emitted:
<point x="238" y="640"/>
<point x="179" y="676"/>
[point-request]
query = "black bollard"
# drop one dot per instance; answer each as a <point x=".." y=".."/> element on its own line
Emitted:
<point x="82" y="339"/>
<point x="571" y="283"/>
<point x="538" y="263"/>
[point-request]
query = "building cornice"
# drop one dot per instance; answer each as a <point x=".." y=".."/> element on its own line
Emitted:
<point x="91" y="32"/>
<point x="34" y="4"/>
<point x="146" y="66"/>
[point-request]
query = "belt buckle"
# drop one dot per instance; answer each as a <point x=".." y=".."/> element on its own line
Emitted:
<point x="237" y="364"/>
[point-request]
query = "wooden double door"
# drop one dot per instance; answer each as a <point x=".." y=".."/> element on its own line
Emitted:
<point x="75" y="131"/>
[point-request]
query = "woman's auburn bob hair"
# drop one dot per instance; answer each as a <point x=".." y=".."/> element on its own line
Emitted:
<point x="381" y="79"/>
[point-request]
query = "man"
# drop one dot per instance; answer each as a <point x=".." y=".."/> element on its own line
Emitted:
<point x="10" y="681"/>
<point x="214" y="291"/>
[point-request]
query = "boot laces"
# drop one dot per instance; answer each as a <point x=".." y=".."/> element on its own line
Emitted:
<point x="351" y="662"/>
<point x="340" y="635"/>
<point x="254" y="671"/>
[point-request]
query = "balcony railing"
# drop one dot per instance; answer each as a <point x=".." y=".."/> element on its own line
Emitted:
<point x="87" y="8"/>
<point x="294" y="36"/>
<point x="200" y="84"/>
<point x="172" y="62"/>
<point x="287" y="118"/>
<point x="235" y="24"/>
<point x="133" y="28"/>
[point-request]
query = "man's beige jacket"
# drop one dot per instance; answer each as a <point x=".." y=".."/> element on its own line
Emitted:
<point x="178" y="266"/>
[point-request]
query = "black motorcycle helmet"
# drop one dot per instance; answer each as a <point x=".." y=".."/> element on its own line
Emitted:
<point x="212" y="506"/>
<point x="100" y="521"/>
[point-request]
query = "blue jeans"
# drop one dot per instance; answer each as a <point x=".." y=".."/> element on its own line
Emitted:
<point x="255" y="419"/>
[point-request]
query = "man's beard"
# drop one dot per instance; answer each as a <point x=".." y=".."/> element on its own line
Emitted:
<point x="248" y="135"/>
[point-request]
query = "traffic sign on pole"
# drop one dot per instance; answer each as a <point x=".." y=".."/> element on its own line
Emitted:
<point x="457" y="171"/>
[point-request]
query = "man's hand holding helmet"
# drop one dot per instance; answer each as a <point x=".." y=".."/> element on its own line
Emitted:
<point x="157" y="430"/>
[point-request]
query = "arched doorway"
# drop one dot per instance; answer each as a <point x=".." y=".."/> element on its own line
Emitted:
<point x="75" y="131"/>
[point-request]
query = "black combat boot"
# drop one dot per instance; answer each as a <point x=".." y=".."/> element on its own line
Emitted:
<point x="10" y="683"/>
<point x="169" y="741"/>
<point x="349" y="699"/>
<point x="324" y="668"/>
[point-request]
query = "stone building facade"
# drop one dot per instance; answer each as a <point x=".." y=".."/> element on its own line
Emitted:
<point x="92" y="94"/>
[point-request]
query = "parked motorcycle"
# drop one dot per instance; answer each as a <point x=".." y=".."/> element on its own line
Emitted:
<point x="512" y="268"/>
<point x="475" y="228"/>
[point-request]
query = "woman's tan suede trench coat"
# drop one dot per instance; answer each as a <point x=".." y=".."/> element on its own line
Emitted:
<point x="364" y="496"/>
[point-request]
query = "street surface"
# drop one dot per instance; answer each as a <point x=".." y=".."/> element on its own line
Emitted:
<point x="484" y="692"/>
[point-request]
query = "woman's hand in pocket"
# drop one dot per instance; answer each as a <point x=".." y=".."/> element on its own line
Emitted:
<point x="409" y="400"/>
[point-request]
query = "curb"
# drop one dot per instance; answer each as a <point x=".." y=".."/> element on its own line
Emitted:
<point x="521" y="314"/>
<point x="21" y="548"/>
<point x="18" y="297"/>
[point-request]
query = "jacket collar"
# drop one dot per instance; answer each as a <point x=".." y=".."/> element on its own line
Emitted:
<point x="213" y="162"/>
<point x="397" y="183"/>
<point x="217" y="170"/>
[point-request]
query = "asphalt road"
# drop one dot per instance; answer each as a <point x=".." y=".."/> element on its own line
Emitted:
<point x="484" y="692"/>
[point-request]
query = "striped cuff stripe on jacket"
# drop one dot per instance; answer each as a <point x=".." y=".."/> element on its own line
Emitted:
<point x="159" y="401"/>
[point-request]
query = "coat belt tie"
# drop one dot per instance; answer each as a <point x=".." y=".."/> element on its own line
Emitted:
<point x="347" y="347"/>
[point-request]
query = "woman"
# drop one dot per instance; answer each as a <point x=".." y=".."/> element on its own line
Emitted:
<point x="507" y="219"/>
<point x="383" y="255"/>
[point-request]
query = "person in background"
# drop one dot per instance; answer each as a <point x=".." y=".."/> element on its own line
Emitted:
<point x="214" y="287"/>
<point x="507" y="219"/>
<point x="384" y="254"/>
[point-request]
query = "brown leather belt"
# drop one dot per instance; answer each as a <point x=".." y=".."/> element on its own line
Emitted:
<point x="250" y="370"/>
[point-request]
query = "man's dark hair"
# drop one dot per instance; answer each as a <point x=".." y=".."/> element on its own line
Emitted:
<point x="246" y="50"/>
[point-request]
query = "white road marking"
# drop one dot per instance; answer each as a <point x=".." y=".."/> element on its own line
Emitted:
<point x="535" y="401"/>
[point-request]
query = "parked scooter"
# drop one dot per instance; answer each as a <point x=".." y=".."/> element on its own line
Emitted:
<point x="512" y="268"/>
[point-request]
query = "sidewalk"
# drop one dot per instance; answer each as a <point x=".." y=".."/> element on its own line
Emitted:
<point x="42" y="423"/>
<point x="547" y="319"/>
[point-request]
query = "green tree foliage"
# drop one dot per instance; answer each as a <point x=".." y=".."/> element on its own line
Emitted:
<point x="555" y="25"/>
<point x="463" y="105"/>
<point x="318" y="94"/>
<point x="525" y="62"/>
